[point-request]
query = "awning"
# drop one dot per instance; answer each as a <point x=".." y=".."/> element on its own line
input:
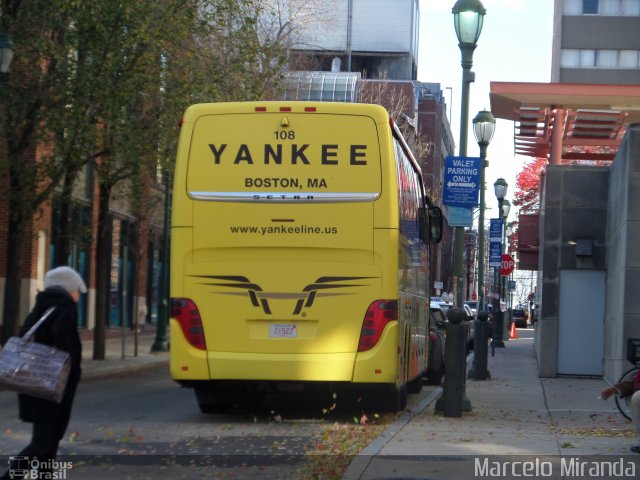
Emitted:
<point x="566" y="117"/>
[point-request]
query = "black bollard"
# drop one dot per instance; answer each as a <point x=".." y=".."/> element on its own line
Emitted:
<point x="478" y="370"/>
<point x="455" y="364"/>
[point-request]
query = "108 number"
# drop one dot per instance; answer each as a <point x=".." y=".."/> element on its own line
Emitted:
<point x="285" y="135"/>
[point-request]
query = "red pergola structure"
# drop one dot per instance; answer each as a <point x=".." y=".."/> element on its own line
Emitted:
<point x="551" y="118"/>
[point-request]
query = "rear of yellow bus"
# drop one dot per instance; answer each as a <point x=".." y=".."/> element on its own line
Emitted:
<point x="284" y="241"/>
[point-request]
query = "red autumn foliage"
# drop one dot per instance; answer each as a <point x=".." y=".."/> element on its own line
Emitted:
<point x="527" y="196"/>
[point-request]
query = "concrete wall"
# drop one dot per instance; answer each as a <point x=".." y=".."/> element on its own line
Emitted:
<point x="623" y="255"/>
<point x="574" y="206"/>
<point x="601" y="204"/>
<point x="376" y="26"/>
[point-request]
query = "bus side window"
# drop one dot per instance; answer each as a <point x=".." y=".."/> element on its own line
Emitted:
<point x="435" y="224"/>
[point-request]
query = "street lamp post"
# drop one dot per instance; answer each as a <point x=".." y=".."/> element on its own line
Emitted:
<point x="500" y="189"/>
<point x="484" y="125"/>
<point x="504" y="211"/>
<point x="468" y="17"/>
<point x="509" y="292"/>
<point x="160" y="343"/>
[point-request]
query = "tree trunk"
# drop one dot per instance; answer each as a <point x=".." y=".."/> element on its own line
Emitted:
<point x="103" y="271"/>
<point x="16" y="239"/>
<point x="63" y="247"/>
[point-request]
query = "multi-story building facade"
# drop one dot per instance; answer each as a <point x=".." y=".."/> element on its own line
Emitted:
<point x="135" y="253"/>
<point x="596" y="41"/>
<point x="376" y="38"/>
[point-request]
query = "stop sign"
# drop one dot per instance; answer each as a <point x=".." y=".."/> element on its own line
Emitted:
<point x="507" y="265"/>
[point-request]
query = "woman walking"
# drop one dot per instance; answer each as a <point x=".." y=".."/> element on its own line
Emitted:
<point x="63" y="287"/>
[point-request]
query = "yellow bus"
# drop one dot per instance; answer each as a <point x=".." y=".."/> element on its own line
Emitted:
<point x="299" y="253"/>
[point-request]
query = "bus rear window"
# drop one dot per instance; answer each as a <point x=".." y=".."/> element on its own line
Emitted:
<point x="255" y="153"/>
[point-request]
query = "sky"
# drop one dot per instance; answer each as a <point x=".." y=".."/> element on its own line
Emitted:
<point x="514" y="46"/>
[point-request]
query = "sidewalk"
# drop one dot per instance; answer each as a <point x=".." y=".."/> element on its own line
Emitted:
<point x="515" y="413"/>
<point x="117" y="363"/>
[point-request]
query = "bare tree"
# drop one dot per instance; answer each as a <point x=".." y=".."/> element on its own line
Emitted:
<point x="397" y="98"/>
<point x="297" y="23"/>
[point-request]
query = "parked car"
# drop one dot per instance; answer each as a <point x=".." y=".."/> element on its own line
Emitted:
<point x="444" y="305"/>
<point x="437" y="323"/>
<point x="473" y="305"/>
<point x="520" y="316"/>
<point x="437" y="340"/>
<point x="470" y="318"/>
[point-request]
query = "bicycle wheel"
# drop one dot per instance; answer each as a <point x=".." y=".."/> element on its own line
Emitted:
<point x="623" y="403"/>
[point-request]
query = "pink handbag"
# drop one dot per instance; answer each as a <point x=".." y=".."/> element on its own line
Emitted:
<point x="33" y="368"/>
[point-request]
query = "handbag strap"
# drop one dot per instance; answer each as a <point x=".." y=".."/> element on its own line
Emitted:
<point x="32" y="330"/>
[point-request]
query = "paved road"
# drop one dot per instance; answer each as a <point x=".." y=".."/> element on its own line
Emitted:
<point x="146" y="426"/>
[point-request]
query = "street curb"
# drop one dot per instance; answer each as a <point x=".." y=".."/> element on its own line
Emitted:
<point x="122" y="368"/>
<point x="360" y="463"/>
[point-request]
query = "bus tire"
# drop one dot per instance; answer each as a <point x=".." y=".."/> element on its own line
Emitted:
<point x="209" y="408"/>
<point x="397" y="400"/>
<point x="210" y="401"/>
<point x="435" y="377"/>
<point x="415" y="385"/>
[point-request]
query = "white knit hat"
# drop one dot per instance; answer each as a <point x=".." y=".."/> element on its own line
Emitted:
<point x="65" y="277"/>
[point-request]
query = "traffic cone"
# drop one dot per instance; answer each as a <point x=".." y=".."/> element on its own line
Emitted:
<point x="514" y="332"/>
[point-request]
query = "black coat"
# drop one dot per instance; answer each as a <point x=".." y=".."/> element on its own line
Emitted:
<point x="60" y="330"/>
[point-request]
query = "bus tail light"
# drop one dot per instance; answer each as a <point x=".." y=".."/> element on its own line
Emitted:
<point x="378" y="315"/>
<point x="186" y="313"/>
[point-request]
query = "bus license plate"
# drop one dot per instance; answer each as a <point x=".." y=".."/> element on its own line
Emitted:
<point x="283" y="330"/>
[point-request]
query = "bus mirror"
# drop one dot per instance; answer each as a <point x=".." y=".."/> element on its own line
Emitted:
<point x="423" y="225"/>
<point x="435" y="224"/>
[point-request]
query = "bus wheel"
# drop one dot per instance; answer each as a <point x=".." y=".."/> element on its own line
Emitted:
<point x="415" y="385"/>
<point x="211" y="408"/>
<point x="435" y="377"/>
<point x="210" y="401"/>
<point x="397" y="400"/>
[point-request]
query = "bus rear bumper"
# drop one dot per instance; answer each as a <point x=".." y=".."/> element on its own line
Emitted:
<point x="333" y="367"/>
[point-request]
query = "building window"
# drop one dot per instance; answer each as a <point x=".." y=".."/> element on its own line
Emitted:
<point x="587" y="58"/>
<point x="573" y="7"/>
<point x="607" y="59"/>
<point x="570" y="58"/>
<point x="590" y="7"/>
<point x="609" y="7"/>
<point x="612" y="8"/>
<point x="630" y="7"/>
<point x="628" y="59"/>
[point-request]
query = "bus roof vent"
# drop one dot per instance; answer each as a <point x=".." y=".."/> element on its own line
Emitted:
<point x="322" y="86"/>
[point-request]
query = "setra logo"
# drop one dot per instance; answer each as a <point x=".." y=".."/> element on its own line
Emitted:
<point x="303" y="299"/>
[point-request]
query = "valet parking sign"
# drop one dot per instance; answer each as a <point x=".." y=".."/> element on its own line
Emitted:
<point x="461" y="181"/>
